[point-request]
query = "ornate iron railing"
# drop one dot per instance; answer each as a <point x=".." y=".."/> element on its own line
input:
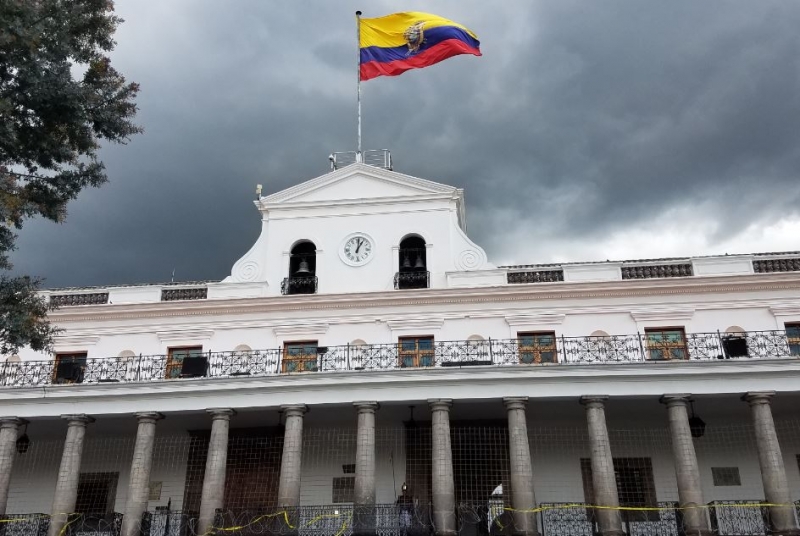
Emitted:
<point x="176" y="294"/>
<point x="525" y="351"/>
<point x="25" y="524"/>
<point x="77" y="525"/>
<point x="766" y="266"/>
<point x="535" y="276"/>
<point x="299" y="285"/>
<point x="68" y="300"/>
<point x="653" y="271"/>
<point x="168" y="523"/>
<point x="411" y="280"/>
<point x="730" y="519"/>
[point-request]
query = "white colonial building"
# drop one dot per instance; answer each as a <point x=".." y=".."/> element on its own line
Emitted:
<point x="365" y="369"/>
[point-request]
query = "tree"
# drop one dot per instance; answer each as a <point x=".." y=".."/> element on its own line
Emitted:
<point x="59" y="98"/>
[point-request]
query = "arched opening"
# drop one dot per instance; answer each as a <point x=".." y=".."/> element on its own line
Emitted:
<point x="734" y="343"/>
<point x="302" y="269"/>
<point x="412" y="270"/>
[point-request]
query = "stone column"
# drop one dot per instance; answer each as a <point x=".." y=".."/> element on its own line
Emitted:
<point x="444" y="496"/>
<point x="139" y="482"/>
<point x="68" y="473"/>
<point x="519" y="453"/>
<point x="364" y="493"/>
<point x="9" y="432"/>
<point x="289" y="484"/>
<point x="687" y="470"/>
<point x="603" y="479"/>
<point x="782" y="519"/>
<point x="213" y="493"/>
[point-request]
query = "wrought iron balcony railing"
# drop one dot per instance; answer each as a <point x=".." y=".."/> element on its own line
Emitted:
<point x="299" y="285"/>
<point x="525" y="351"/>
<point x="410" y="280"/>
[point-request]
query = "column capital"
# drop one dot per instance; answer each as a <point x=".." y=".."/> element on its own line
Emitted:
<point x="11" y="422"/>
<point x="221" y="414"/>
<point x="594" y="401"/>
<point x="149" y="416"/>
<point x="675" y="400"/>
<point x="294" y="410"/>
<point x="367" y="407"/>
<point x="80" y="419"/>
<point x="515" y="402"/>
<point x="758" y="397"/>
<point x="440" y="404"/>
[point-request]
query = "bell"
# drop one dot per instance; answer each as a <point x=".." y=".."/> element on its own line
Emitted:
<point x="419" y="264"/>
<point x="303" y="268"/>
<point x="406" y="262"/>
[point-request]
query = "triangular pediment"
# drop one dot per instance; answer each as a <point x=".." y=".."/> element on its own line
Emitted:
<point x="359" y="182"/>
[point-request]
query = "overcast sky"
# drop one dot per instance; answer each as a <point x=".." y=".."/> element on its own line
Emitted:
<point x="587" y="131"/>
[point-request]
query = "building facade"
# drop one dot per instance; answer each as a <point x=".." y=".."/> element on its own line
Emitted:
<point x="366" y="370"/>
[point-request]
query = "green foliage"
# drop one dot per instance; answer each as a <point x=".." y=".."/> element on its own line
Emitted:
<point x="23" y="316"/>
<point x="59" y="97"/>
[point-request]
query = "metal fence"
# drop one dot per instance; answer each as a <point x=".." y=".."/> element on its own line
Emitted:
<point x="524" y="351"/>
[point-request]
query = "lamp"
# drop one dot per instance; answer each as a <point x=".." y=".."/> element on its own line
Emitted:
<point x="23" y="442"/>
<point x="696" y="425"/>
<point x="404" y="488"/>
<point x="411" y="423"/>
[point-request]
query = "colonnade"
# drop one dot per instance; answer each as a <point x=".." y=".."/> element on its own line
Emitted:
<point x="781" y="516"/>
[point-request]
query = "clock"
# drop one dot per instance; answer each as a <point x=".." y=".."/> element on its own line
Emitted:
<point x="357" y="249"/>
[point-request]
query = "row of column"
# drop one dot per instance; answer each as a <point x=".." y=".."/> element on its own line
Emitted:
<point x="776" y="489"/>
<point x="782" y="518"/>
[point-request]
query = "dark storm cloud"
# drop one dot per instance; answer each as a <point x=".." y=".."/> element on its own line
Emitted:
<point x="581" y="121"/>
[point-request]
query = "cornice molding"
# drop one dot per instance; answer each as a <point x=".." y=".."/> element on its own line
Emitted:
<point x="465" y="295"/>
<point x="426" y="324"/>
<point x="544" y="319"/>
<point x="304" y="329"/>
<point x="74" y="340"/>
<point x="175" y="335"/>
<point x="661" y="314"/>
<point x="785" y="310"/>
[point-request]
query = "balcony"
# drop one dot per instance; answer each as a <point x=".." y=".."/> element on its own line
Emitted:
<point x="411" y="280"/>
<point x="299" y="285"/>
<point x="522" y="352"/>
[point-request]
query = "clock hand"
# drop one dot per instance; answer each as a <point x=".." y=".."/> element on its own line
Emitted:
<point x="359" y="245"/>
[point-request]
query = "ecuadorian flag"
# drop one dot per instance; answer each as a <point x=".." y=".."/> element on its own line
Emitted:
<point x="393" y="44"/>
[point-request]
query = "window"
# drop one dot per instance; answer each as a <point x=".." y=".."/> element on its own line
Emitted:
<point x="97" y="493"/>
<point x="664" y="344"/>
<point x="726" y="476"/>
<point x="635" y="484"/>
<point x="793" y="338"/>
<point x="343" y="489"/>
<point x="69" y="367"/>
<point x="537" y="347"/>
<point x="416" y="351"/>
<point x="185" y="362"/>
<point x="300" y="357"/>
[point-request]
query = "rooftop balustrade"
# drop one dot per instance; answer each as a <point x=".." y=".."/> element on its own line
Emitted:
<point x="541" y="350"/>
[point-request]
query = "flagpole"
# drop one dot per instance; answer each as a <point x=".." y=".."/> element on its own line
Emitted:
<point x="358" y="66"/>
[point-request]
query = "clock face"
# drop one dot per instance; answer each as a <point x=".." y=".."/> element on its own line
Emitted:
<point x="357" y="250"/>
